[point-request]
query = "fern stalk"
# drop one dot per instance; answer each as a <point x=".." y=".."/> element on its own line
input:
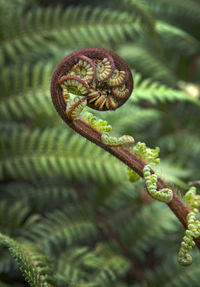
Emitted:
<point x="87" y="129"/>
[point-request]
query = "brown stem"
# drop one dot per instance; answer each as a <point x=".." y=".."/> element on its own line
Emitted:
<point x="131" y="160"/>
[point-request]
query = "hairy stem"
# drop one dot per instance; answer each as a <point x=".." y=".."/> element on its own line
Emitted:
<point x="131" y="160"/>
<point x="105" y="82"/>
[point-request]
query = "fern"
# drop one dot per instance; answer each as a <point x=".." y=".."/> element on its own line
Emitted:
<point x="74" y="218"/>
<point x="13" y="217"/>
<point x="33" y="264"/>
<point x="131" y="118"/>
<point x="30" y="87"/>
<point x="150" y="226"/>
<point x="39" y="155"/>
<point x="41" y="197"/>
<point x="17" y="105"/>
<point x="172" y="274"/>
<point x="155" y="91"/>
<point x="147" y="62"/>
<point x="176" y="39"/>
<point x="72" y="269"/>
<point x="97" y="267"/>
<point x="32" y="77"/>
<point x="113" y="266"/>
<point x="188" y="142"/>
<point x="189" y="150"/>
<point x="137" y="9"/>
<point x="64" y="228"/>
<point x="183" y="14"/>
<point x="7" y="264"/>
<point x="46" y="27"/>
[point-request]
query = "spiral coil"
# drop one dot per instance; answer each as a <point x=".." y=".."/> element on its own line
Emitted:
<point x="102" y="80"/>
<point x="98" y="75"/>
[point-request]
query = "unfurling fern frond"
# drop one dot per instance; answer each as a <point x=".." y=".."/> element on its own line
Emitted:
<point x="105" y="72"/>
<point x="75" y="216"/>
<point x="193" y="229"/>
<point x="34" y="265"/>
<point x="164" y="194"/>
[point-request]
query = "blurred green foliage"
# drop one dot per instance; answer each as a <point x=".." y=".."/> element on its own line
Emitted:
<point x="68" y="214"/>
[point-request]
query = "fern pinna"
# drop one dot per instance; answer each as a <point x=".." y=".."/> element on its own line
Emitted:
<point x="100" y="79"/>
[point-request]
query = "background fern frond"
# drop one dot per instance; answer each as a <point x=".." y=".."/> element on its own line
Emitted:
<point x="39" y="155"/>
<point x="15" y="216"/>
<point x="50" y="26"/>
<point x="147" y="62"/>
<point x="183" y="14"/>
<point x="33" y="263"/>
<point x="137" y="9"/>
<point x="153" y="228"/>
<point x="174" y="38"/>
<point x="64" y="228"/>
<point x="174" y="274"/>
<point x="97" y="267"/>
<point x="40" y="198"/>
<point x="154" y="91"/>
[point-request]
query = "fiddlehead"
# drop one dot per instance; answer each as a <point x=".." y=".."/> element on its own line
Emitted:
<point x="101" y="80"/>
<point x="164" y="194"/>
<point x="101" y="76"/>
<point x="148" y="154"/>
<point x="96" y="78"/>
<point x="152" y="157"/>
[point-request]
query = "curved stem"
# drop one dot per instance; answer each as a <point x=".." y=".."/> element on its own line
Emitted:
<point x="100" y="80"/>
<point x="131" y="160"/>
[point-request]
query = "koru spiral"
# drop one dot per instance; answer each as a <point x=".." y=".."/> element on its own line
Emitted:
<point x="96" y="75"/>
<point x="101" y="80"/>
<point x="96" y="78"/>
